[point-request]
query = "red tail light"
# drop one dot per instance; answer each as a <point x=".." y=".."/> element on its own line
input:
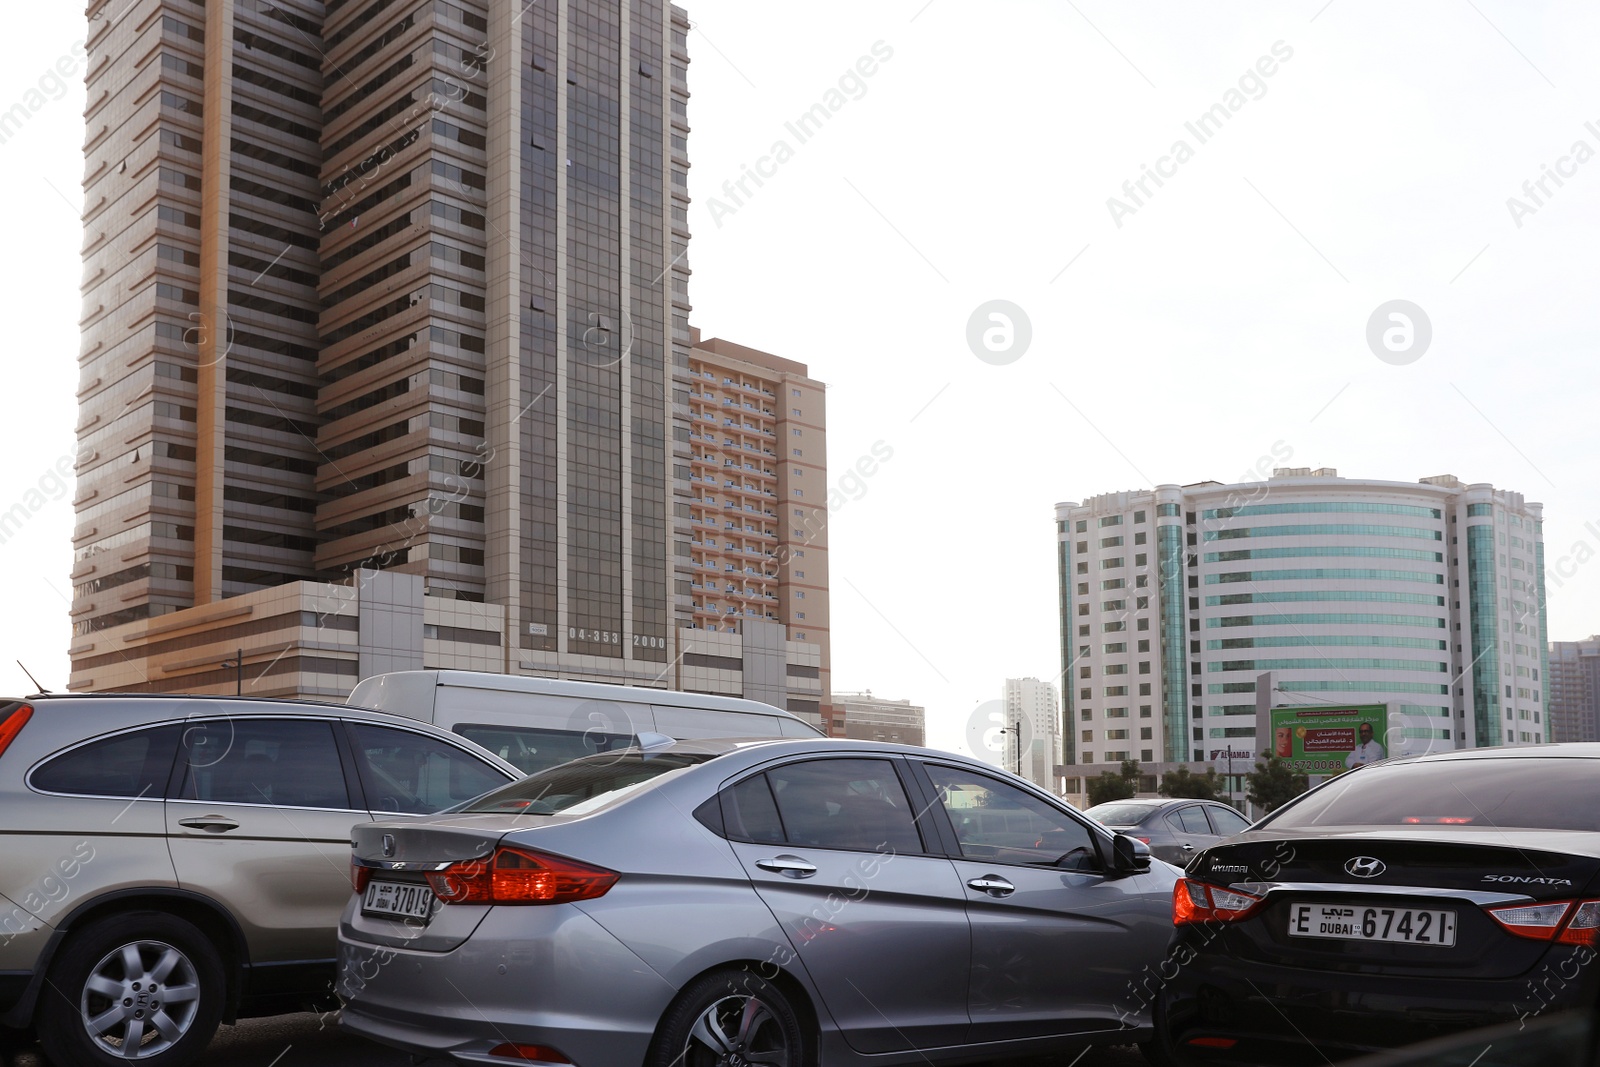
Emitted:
<point x="518" y="876"/>
<point x="359" y="877"/>
<point x="1196" y="902"/>
<point x="1568" y="922"/>
<point x="1540" y="922"/>
<point x="12" y="725"/>
<point x="534" y="1053"/>
<point x="1584" y="926"/>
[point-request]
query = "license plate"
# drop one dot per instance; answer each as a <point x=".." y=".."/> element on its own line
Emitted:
<point x="398" y="900"/>
<point x="1407" y="926"/>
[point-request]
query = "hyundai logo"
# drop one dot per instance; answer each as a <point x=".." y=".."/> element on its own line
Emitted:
<point x="1364" y="867"/>
<point x="388" y="844"/>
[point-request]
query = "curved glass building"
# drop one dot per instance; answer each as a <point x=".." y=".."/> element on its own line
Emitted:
<point x="1188" y="610"/>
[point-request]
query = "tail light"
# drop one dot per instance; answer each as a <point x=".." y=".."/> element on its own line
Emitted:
<point x="1567" y="922"/>
<point x="528" y="1053"/>
<point x="1197" y="902"/>
<point x="12" y="725"/>
<point x="1584" y="926"/>
<point x="359" y="877"/>
<point x="518" y="876"/>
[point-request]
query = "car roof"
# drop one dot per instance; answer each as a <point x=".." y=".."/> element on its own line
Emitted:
<point x="763" y="749"/>
<point x="56" y="698"/>
<point x="202" y="704"/>
<point x="1557" y="750"/>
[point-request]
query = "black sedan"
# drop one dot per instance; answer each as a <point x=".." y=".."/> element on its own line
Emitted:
<point x="1404" y="901"/>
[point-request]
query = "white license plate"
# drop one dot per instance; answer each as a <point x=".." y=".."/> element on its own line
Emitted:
<point x="1360" y="922"/>
<point x="398" y="900"/>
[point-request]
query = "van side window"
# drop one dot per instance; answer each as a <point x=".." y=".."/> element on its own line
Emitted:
<point x="416" y="774"/>
<point x="530" y="749"/>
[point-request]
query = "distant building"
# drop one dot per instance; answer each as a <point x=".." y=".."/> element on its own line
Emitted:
<point x="1575" y="690"/>
<point x="870" y="718"/>
<point x="1033" y="750"/>
<point x="1428" y="595"/>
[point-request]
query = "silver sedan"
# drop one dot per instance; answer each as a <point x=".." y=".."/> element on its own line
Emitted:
<point x="774" y="902"/>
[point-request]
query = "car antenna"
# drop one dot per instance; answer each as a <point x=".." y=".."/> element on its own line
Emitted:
<point x="32" y="679"/>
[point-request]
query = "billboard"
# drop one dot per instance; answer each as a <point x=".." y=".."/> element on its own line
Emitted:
<point x="1330" y="738"/>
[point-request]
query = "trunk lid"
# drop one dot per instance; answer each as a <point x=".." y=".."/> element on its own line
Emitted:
<point x="1396" y="869"/>
<point x="401" y="854"/>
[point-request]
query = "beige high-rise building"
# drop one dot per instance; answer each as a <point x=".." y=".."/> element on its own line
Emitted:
<point x="870" y="718"/>
<point x="758" y="508"/>
<point x="386" y="345"/>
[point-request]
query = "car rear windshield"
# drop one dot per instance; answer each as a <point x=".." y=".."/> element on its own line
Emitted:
<point x="583" y="785"/>
<point x="1119" y="814"/>
<point x="1549" y="793"/>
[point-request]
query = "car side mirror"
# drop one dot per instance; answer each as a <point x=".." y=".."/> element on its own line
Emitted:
<point x="1129" y="855"/>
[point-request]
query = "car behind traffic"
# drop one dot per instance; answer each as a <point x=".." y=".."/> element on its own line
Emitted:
<point x="1176" y="830"/>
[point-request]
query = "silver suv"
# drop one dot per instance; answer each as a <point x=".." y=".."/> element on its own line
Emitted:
<point x="172" y="862"/>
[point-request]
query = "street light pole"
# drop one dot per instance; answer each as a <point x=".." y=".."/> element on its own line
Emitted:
<point x="1016" y="733"/>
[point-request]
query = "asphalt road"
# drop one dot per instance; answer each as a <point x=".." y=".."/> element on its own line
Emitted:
<point x="302" y="1041"/>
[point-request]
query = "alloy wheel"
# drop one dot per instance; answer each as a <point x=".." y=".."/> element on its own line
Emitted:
<point x="140" y="1000"/>
<point x="738" y="1031"/>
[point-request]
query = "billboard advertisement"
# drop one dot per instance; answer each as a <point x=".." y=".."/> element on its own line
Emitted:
<point x="1330" y="738"/>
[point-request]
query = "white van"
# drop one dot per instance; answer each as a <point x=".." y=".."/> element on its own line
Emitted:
<point x="536" y="723"/>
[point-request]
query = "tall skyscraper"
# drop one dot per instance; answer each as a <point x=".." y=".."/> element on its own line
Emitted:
<point x="198" y="464"/>
<point x="1575" y="690"/>
<point x="1175" y="602"/>
<point x="394" y="288"/>
<point x="1033" y="730"/>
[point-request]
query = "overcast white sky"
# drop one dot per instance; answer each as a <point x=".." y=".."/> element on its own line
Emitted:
<point x="1227" y="313"/>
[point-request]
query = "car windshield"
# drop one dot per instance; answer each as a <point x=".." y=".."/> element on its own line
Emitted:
<point x="1496" y="793"/>
<point x="582" y="786"/>
<point x="1119" y="814"/>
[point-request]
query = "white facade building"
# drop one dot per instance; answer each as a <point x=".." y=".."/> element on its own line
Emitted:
<point x="1178" y="602"/>
<point x="1033" y="731"/>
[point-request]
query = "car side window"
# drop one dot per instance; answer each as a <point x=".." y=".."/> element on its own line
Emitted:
<point x="413" y="774"/>
<point x="854" y="804"/>
<point x="750" y="814"/>
<point x="1193" y="819"/>
<point x="282" y="762"/>
<point x="1228" y="822"/>
<point x="134" y="764"/>
<point x="997" y="821"/>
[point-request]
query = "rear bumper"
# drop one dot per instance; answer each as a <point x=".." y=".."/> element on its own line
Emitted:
<point x="536" y="976"/>
<point x="1292" y="1017"/>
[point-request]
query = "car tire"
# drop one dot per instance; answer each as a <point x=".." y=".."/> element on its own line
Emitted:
<point x="142" y="956"/>
<point x="1160" y="1051"/>
<point x="731" y="1011"/>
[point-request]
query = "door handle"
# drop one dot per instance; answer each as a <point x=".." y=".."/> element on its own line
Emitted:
<point x="994" y="885"/>
<point x="216" y="824"/>
<point x="1187" y="847"/>
<point x="788" y="866"/>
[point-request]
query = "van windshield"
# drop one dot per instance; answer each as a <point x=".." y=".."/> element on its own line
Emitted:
<point x="582" y="786"/>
